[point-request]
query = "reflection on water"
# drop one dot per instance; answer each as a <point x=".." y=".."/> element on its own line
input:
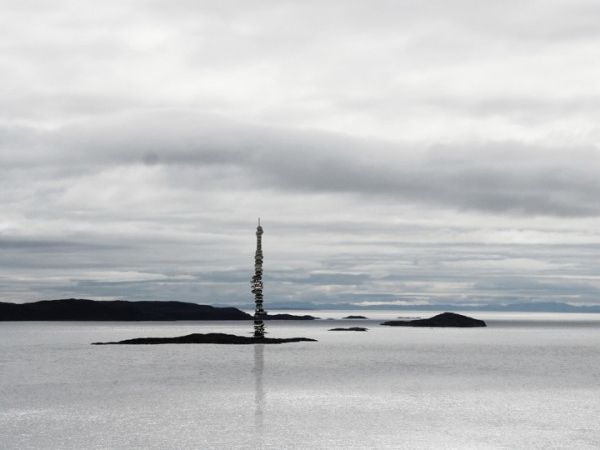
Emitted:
<point x="259" y="393"/>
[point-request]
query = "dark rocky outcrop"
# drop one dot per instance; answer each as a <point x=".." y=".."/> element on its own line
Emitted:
<point x="210" y="338"/>
<point x="288" y="317"/>
<point x="355" y="317"/>
<point x="349" y="329"/>
<point x="120" y="310"/>
<point x="446" y="319"/>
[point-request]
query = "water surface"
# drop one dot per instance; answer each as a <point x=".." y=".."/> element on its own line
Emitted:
<point x="526" y="381"/>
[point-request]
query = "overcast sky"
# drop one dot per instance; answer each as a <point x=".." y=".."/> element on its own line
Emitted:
<point x="396" y="151"/>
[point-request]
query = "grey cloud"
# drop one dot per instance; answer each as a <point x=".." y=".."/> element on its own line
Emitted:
<point x="39" y="245"/>
<point x="528" y="288"/>
<point x="495" y="176"/>
<point x="524" y="109"/>
<point x="323" y="279"/>
<point x="395" y="149"/>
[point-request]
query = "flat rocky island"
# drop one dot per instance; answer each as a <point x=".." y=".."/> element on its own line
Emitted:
<point x="349" y="329"/>
<point x="446" y="319"/>
<point x="209" y="338"/>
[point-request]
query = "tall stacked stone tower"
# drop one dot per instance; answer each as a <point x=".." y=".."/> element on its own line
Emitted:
<point x="257" y="286"/>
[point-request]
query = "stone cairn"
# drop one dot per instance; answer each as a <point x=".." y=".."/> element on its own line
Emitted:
<point x="257" y="286"/>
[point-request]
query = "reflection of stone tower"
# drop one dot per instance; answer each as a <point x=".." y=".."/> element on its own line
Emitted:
<point x="257" y="286"/>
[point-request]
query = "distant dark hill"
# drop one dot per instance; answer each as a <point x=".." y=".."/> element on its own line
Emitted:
<point x="120" y="310"/>
<point x="446" y="319"/>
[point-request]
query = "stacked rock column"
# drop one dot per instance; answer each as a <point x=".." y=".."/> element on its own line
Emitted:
<point x="257" y="286"/>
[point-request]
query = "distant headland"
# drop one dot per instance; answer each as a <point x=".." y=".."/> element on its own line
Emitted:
<point x="121" y="310"/>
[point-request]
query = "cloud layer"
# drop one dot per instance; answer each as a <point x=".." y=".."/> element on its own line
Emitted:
<point x="396" y="151"/>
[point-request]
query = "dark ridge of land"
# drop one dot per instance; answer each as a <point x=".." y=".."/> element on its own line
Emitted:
<point x="118" y="310"/>
<point x="121" y="310"/>
<point x="210" y="338"/>
<point x="349" y="329"/>
<point x="446" y="319"/>
<point x="355" y="317"/>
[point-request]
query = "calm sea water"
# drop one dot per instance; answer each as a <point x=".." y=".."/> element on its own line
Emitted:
<point x="526" y="381"/>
